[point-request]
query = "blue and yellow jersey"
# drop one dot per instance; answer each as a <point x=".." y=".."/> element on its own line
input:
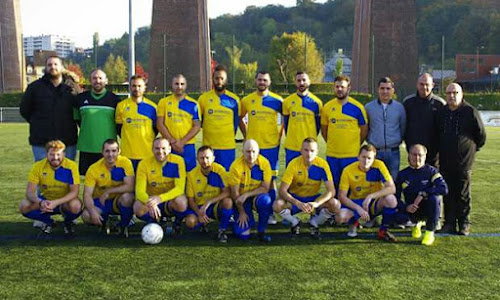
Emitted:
<point x="179" y="115"/>
<point x="203" y="187"/>
<point x="138" y="123"/>
<point x="54" y="184"/>
<point x="248" y="179"/>
<point x="360" y="184"/>
<point x="301" y="116"/>
<point x="165" y="179"/>
<point x="220" y="119"/>
<point x="263" y="118"/>
<point x="343" y="123"/>
<point x="100" y="178"/>
<point x="306" y="181"/>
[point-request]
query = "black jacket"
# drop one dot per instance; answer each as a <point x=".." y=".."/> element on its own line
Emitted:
<point x="461" y="133"/>
<point x="49" y="112"/>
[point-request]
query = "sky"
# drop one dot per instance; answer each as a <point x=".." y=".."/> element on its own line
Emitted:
<point x="79" y="19"/>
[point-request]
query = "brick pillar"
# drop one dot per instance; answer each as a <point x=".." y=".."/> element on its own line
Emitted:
<point x="12" y="69"/>
<point x="185" y="23"/>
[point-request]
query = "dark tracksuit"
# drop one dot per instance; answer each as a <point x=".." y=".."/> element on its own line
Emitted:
<point x="410" y="182"/>
<point x="460" y="133"/>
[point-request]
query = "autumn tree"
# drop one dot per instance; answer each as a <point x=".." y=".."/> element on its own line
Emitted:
<point x="115" y="69"/>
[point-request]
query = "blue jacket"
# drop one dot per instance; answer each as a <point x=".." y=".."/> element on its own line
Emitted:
<point x="386" y="128"/>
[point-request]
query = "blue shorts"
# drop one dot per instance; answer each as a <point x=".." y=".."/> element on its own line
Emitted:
<point x="212" y="211"/>
<point x="337" y="165"/>
<point x="290" y="155"/>
<point x="372" y="208"/>
<point x="110" y="206"/>
<point x="225" y="157"/>
<point x="189" y="156"/>
<point x="272" y="155"/>
<point x="295" y="209"/>
<point x="135" y="163"/>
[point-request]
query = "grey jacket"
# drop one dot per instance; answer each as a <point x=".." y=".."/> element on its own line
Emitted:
<point x="386" y="128"/>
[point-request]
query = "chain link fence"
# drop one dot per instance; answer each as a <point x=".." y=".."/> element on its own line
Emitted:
<point x="10" y="115"/>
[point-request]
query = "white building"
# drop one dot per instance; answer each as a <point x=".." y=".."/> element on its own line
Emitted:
<point x="331" y="65"/>
<point x="63" y="46"/>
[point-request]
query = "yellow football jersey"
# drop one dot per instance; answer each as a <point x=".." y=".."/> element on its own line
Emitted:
<point x="263" y="118"/>
<point x="203" y="188"/>
<point x="220" y="119"/>
<point x="54" y="184"/>
<point x="306" y="181"/>
<point x="343" y="121"/>
<point x="179" y="115"/>
<point x="167" y="180"/>
<point x="101" y="178"/>
<point x="360" y="184"/>
<point x="138" y="123"/>
<point x="301" y="115"/>
<point x="248" y="179"/>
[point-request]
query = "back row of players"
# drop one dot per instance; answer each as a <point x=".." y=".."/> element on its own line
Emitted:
<point x="365" y="189"/>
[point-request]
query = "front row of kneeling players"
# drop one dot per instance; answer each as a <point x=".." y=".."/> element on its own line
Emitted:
<point x="366" y="190"/>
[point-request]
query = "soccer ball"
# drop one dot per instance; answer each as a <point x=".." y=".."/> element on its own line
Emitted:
<point x="152" y="234"/>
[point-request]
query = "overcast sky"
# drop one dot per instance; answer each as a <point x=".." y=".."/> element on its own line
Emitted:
<point x="79" y="19"/>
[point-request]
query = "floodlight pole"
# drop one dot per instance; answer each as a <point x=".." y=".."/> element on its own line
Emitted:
<point x="131" y="42"/>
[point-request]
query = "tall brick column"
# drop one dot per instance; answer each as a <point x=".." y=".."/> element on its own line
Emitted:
<point x="185" y="24"/>
<point x="386" y="29"/>
<point x="12" y="70"/>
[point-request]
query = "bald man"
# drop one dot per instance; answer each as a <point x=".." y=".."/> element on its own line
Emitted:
<point x="249" y="180"/>
<point x="461" y="134"/>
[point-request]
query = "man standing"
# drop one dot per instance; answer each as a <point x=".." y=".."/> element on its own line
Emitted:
<point x="109" y="189"/>
<point x="300" y="187"/>
<point x="421" y="113"/>
<point x="249" y="180"/>
<point x="461" y="134"/>
<point x="387" y="123"/>
<point x="220" y="110"/>
<point x="263" y="108"/>
<point x="344" y="128"/>
<point x="53" y="186"/>
<point x="208" y="194"/>
<point x="96" y="116"/>
<point x="47" y="105"/>
<point x="421" y="185"/>
<point x="179" y="121"/>
<point x="160" y="184"/>
<point x="136" y="122"/>
<point x="301" y="112"/>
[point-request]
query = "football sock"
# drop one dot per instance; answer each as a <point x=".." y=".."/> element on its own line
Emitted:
<point x="264" y="209"/>
<point x="126" y="215"/>
<point x="321" y="218"/>
<point x="225" y="215"/>
<point x="38" y="215"/>
<point x="387" y="217"/>
<point x="287" y="215"/>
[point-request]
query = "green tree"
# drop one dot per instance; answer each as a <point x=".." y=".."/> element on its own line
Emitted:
<point x="116" y="69"/>
<point x="295" y="52"/>
<point x="243" y="72"/>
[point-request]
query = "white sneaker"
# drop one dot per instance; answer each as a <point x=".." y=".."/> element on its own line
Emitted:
<point x="272" y="220"/>
<point x="39" y="224"/>
<point x="370" y="223"/>
<point x="353" y="232"/>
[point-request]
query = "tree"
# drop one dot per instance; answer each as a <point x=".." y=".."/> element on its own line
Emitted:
<point x="116" y="69"/>
<point x="243" y="72"/>
<point x="75" y="68"/>
<point x="139" y="70"/>
<point x="295" y="52"/>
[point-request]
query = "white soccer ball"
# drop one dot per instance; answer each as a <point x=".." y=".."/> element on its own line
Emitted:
<point x="152" y="234"/>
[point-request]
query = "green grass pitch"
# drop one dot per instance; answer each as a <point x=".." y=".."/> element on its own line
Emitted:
<point x="194" y="266"/>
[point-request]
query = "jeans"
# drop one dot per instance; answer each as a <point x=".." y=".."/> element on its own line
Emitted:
<point x="391" y="160"/>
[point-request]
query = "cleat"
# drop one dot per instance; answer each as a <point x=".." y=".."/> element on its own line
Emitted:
<point x="464" y="229"/>
<point x="448" y="228"/>
<point x="398" y="226"/>
<point x="428" y="239"/>
<point x="131" y="223"/>
<point x="272" y="220"/>
<point x="331" y="221"/>
<point x="353" y="232"/>
<point x="68" y="229"/>
<point x="315" y="234"/>
<point x="177" y="230"/>
<point x="416" y="231"/>
<point x="370" y="223"/>
<point x="45" y="231"/>
<point x="123" y="231"/>
<point x="222" y="236"/>
<point x="203" y="228"/>
<point x="385" y="235"/>
<point x="295" y="230"/>
<point x="285" y="223"/>
<point x="39" y="224"/>
<point x="263" y="237"/>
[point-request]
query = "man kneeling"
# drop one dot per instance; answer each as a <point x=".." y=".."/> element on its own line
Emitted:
<point x="208" y="194"/>
<point x="109" y="189"/>
<point x="57" y="180"/>
<point x="160" y="184"/>
<point x="366" y="191"/>
<point x="300" y="187"/>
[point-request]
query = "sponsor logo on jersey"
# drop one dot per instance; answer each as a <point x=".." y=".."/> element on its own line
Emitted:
<point x="154" y="184"/>
<point x="199" y="194"/>
<point x="169" y="114"/>
<point x="334" y="121"/>
<point x="129" y="120"/>
<point x="253" y="112"/>
<point x="210" y="111"/>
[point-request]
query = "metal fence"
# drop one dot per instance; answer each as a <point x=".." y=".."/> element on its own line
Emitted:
<point x="10" y="115"/>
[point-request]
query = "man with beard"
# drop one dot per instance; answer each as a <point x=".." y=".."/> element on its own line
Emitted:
<point x="179" y="121"/>
<point x="344" y="128"/>
<point x="47" y="105"/>
<point x="421" y="113"/>
<point x="263" y="108"/>
<point x="53" y="186"/>
<point x="136" y="122"/>
<point x="96" y="116"/>
<point x="301" y="113"/>
<point x="220" y="110"/>
<point x="160" y="184"/>
<point x="109" y="189"/>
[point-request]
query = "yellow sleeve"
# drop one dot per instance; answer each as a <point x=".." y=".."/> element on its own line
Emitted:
<point x="233" y="176"/>
<point x="344" y="181"/>
<point x="119" y="113"/>
<point x="90" y="179"/>
<point x="268" y="172"/>
<point x="189" y="185"/>
<point x="34" y="174"/>
<point x="365" y="116"/>
<point x="129" y="168"/>
<point x="179" y="183"/>
<point x="326" y="167"/>
<point x="286" y="109"/>
<point x="75" y="174"/>
<point x="384" y="171"/>
<point x="141" y="183"/>
<point x="243" y="106"/>
<point x="288" y="175"/>
<point x="160" y="112"/>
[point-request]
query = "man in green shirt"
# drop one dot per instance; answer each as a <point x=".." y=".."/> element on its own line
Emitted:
<point x="96" y="116"/>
